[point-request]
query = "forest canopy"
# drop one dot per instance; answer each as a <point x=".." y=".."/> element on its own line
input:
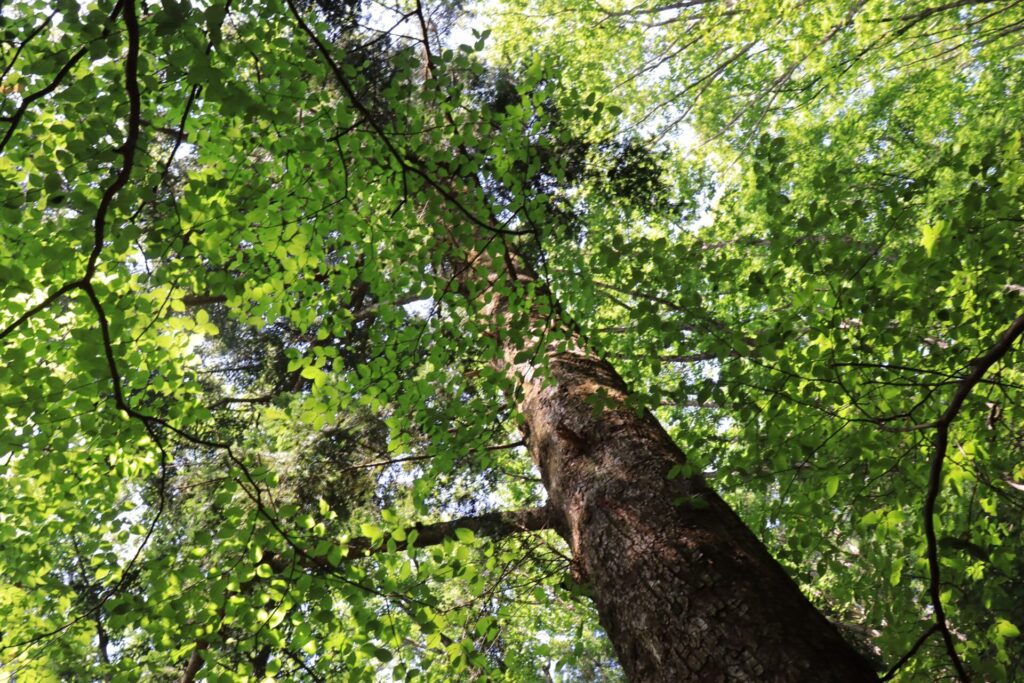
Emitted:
<point x="518" y="340"/>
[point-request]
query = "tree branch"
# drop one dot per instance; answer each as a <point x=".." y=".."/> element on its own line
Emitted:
<point x="966" y="385"/>
<point x="492" y="525"/>
<point x="55" y="83"/>
<point x="911" y="652"/>
<point x="638" y="10"/>
<point x="195" y="663"/>
<point x="21" y="46"/>
<point x="195" y="300"/>
<point x="405" y="161"/>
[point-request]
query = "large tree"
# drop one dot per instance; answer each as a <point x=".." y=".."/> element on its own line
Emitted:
<point x="337" y="350"/>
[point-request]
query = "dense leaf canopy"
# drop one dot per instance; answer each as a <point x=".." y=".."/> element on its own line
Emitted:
<point x="252" y="422"/>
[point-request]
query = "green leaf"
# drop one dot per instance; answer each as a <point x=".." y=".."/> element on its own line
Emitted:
<point x="1006" y="629"/>
<point x="930" y="233"/>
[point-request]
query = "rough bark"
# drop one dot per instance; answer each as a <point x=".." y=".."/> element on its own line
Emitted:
<point x="684" y="589"/>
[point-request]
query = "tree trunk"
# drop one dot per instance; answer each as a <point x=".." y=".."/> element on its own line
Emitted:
<point x="683" y="588"/>
<point x="685" y="591"/>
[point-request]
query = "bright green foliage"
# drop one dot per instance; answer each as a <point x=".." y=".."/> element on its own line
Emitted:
<point x="235" y="348"/>
<point x="858" y="248"/>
